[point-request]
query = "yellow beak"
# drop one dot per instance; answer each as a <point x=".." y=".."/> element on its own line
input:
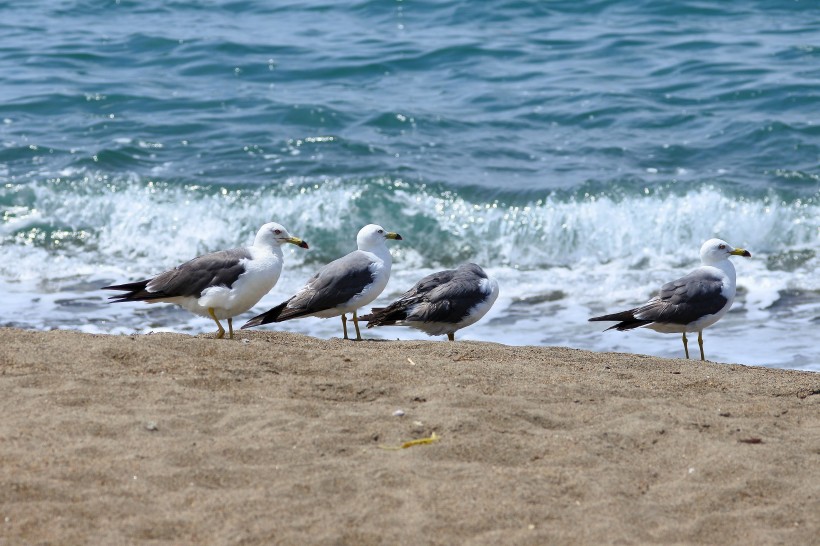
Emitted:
<point x="298" y="242"/>
<point x="741" y="252"/>
<point x="393" y="235"/>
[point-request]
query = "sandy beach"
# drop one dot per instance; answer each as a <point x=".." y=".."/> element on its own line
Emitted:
<point x="278" y="438"/>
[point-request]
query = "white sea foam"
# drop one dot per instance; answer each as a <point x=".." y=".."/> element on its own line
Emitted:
<point x="557" y="261"/>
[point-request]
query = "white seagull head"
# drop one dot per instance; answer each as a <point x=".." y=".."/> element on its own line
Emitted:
<point x="716" y="250"/>
<point x="273" y="234"/>
<point x="373" y="236"/>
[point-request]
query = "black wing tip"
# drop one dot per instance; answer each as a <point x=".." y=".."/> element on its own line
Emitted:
<point x="255" y="321"/>
<point x="384" y="316"/>
<point x="259" y="320"/>
<point x="619" y="316"/>
<point x="381" y="322"/>
<point x="120" y="287"/>
<point x="629" y="325"/>
<point x="136" y="296"/>
<point x="626" y="321"/>
<point x="623" y="324"/>
<point x="271" y="315"/>
<point x="373" y="315"/>
<point x="134" y="291"/>
<point x="371" y="318"/>
<point x="123" y="298"/>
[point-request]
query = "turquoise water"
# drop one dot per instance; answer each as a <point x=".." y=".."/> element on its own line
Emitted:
<point x="579" y="151"/>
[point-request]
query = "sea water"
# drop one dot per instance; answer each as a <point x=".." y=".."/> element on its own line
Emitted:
<point x="580" y="152"/>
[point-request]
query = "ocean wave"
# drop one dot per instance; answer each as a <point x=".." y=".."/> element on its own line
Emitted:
<point x="154" y="222"/>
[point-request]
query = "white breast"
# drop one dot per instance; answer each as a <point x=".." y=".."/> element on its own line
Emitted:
<point x="261" y="275"/>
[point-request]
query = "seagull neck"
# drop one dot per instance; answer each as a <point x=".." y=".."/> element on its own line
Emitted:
<point x="381" y="252"/>
<point x="727" y="267"/>
<point x="265" y="248"/>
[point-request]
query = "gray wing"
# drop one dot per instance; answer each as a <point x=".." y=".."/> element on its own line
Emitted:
<point x="334" y="284"/>
<point x="685" y="300"/>
<point x="221" y="268"/>
<point x="445" y="296"/>
<point x="425" y="286"/>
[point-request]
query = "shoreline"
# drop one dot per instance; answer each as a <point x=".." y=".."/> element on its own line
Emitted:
<point x="279" y="437"/>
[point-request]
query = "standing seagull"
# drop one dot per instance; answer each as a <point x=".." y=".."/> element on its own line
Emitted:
<point x="221" y="284"/>
<point x="341" y="286"/>
<point x="691" y="303"/>
<point x="441" y="303"/>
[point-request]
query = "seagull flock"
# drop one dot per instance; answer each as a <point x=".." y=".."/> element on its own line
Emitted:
<point x="221" y="285"/>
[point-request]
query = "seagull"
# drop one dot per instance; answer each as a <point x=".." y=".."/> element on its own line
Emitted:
<point x="342" y="286"/>
<point x="219" y="285"/>
<point x="441" y="303"/>
<point x="691" y="303"/>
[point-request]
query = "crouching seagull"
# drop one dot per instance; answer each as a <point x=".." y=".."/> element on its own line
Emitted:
<point x="441" y="303"/>
<point x="691" y="303"/>
<point x="342" y="286"/>
<point x="219" y="285"/>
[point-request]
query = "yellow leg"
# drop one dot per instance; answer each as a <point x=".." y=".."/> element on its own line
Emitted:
<point x="230" y="328"/>
<point x="451" y="336"/>
<point x="356" y="324"/>
<point x="700" y="342"/>
<point x="221" y="333"/>
<point x="685" y="347"/>
<point x="344" y="324"/>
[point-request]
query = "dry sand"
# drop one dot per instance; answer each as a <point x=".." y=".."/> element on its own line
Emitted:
<point x="278" y="439"/>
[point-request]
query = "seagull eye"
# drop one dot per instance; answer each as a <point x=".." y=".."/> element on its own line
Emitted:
<point x="381" y="231"/>
<point x="277" y="231"/>
<point x="722" y="247"/>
